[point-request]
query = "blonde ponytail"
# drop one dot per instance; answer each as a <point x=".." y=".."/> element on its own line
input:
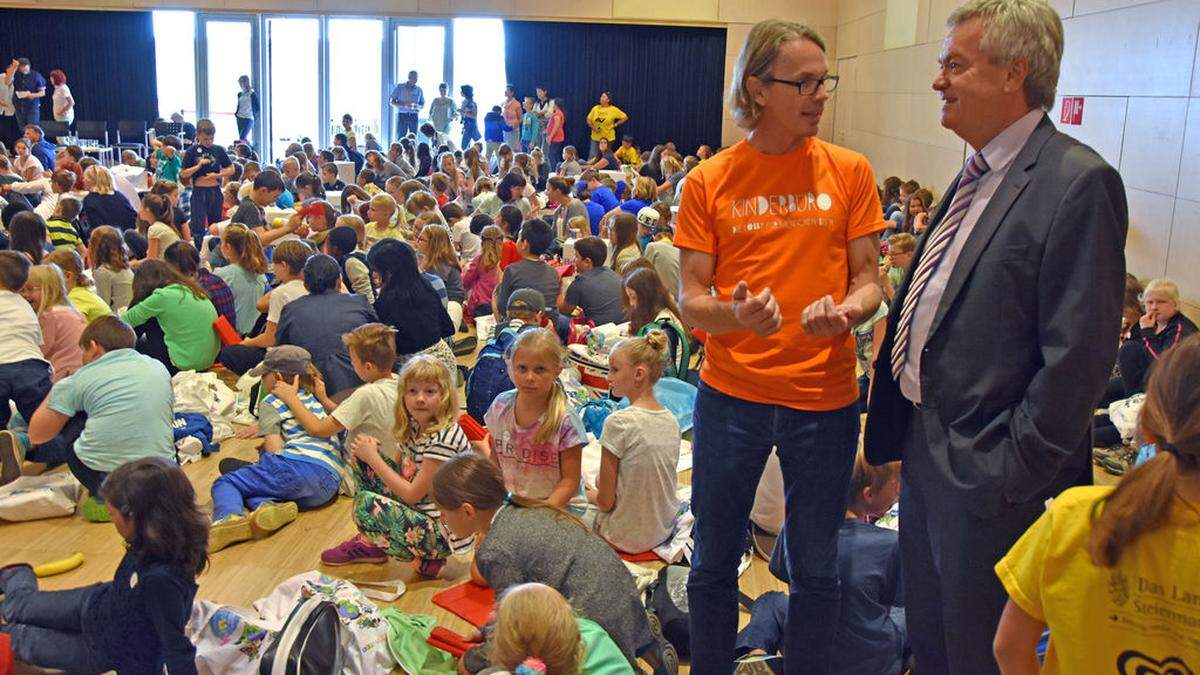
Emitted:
<point x="649" y="351"/>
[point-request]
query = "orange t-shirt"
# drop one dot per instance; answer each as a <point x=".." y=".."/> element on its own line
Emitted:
<point x="783" y="222"/>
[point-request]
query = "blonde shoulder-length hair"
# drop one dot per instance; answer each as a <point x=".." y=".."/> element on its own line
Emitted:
<point x="758" y="55"/>
<point x="99" y="178"/>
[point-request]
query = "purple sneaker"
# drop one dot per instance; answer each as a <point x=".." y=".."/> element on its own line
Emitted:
<point x="430" y="568"/>
<point x="352" y="551"/>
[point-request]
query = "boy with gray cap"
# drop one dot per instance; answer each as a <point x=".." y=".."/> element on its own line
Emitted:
<point x="296" y="470"/>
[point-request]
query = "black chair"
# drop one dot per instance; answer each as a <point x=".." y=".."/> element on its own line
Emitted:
<point x="131" y="135"/>
<point x="51" y="130"/>
<point x="92" y="131"/>
<point x="162" y="128"/>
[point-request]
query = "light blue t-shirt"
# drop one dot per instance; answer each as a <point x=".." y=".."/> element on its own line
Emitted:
<point x="247" y="288"/>
<point x="129" y="403"/>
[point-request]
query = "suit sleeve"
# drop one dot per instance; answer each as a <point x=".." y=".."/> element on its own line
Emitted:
<point x="1080" y="289"/>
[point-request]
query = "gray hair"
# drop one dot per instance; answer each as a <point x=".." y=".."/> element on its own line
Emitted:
<point x="1028" y="30"/>
<point x="757" y="57"/>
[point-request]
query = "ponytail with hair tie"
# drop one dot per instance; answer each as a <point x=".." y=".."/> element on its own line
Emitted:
<point x="531" y="666"/>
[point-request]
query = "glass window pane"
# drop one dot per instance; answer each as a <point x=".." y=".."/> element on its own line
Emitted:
<point x="295" y="90"/>
<point x="228" y="44"/>
<point x="423" y="49"/>
<point x="355" y="69"/>
<point x="175" y="63"/>
<point x="479" y="62"/>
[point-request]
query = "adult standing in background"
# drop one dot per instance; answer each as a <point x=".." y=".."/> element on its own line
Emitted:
<point x="1023" y="262"/>
<point x="513" y="112"/>
<point x="247" y="109"/>
<point x="63" y="102"/>
<point x="603" y="119"/>
<point x="542" y="107"/>
<point x="780" y="369"/>
<point x="469" y="111"/>
<point x="8" y="111"/>
<point x="442" y="110"/>
<point x="555" y="134"/>
<point x="29" y="87"/>
<point x="408" y="100"/>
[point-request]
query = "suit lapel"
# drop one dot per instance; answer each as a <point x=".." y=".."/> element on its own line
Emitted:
<point x="997" y="208"/>
<point x="922" y="240"/>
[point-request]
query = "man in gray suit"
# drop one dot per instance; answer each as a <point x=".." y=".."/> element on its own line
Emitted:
<point x="1003" y="334"/>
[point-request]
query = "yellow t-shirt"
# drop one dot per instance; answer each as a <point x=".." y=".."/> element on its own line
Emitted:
<point x="628" y="155"/>
<point x="1141" y="616"/>
<point x="86" y="301"/>
<point x="375" y="233"/>
<point x="603" y="119"/>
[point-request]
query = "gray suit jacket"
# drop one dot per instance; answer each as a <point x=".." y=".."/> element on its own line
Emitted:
<point x="1025" y="336"/>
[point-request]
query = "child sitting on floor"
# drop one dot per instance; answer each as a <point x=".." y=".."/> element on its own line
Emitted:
<point x="635" y="491"/>
<point x="1111" y="570"/>
<point x="535" y="438"/>
<point x="110" y="267"/>
<point x="367" y="411"/>
<point x="78" y="284"/>
<point x="381" y="219"/>
<point x="524" y="540"/>
<point x="538" y="630"/>
<point x="245" y="274"/>
<point x="134" y="623"/>
<point x="392" y="508"/>
<point x="173" y="317"/>
<point x="24" y="371"/>
<point x="61" y="323"/>
<point x="296" y="470"/>
<point x="871" y="636"/>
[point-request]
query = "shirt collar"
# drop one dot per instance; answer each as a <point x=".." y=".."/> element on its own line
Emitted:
<point x="1003" y="149"/>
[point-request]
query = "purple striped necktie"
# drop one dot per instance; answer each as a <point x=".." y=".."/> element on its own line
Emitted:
<point x="939" y="242"/>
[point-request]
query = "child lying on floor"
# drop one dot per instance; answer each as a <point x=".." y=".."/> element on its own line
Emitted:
<point x="296" y="471"/>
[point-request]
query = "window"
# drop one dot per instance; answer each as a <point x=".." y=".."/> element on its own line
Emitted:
<point x="229" y="43"/>
<point x="175" y="57"/>
<point x="356" y="76"/>
<point x="294" y="68"/>
<point x="479" y="61"/>
<point x="423" y="49"/>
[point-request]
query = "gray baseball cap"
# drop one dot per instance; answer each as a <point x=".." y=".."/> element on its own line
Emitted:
<point x="285" y="360"/>
<point x="526" y="300"/>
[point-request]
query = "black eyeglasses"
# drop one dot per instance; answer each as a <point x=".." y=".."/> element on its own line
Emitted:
<point x="809" y="87"/>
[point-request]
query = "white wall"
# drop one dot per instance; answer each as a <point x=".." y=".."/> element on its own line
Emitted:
<point x="1134" y="62"/>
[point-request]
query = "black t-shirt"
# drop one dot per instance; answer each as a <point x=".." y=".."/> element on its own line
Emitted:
<point x="218" y="159"/>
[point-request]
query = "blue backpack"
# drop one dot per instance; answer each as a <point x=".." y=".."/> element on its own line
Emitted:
<point x="489" y="376"/>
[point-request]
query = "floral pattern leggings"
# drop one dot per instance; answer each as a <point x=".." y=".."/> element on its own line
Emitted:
<point x="386" y="521"/>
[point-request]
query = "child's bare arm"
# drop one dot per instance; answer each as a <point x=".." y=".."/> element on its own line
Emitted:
<point x="604" y="495"/>
<point x="570" y="464"/>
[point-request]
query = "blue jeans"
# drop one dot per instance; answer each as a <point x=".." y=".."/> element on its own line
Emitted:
<point x="768" y="624"/>
<point x="733" y="438"/>
<point x="273" y="479"/>
<point x="206" y="210"/>
<point x="406" y="121"/>
<point x="46" y="627"/>
<point x="470" y="133"/>
<point x="25" y="383"/>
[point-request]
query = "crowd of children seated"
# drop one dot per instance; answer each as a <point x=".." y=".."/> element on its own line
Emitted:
<point x="345" y="301"/>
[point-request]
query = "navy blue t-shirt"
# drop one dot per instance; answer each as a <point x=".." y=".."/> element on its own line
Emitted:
<point x="31" y="82"/>
<point x="138" y="618"/>
<point x="218" y="159"/>
<point x="869" y="641"/>
<point x="317" y="323"/>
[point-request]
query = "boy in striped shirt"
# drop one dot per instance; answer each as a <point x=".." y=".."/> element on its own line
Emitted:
<point x="63" y="226"/>
<point x="297" y="470"/>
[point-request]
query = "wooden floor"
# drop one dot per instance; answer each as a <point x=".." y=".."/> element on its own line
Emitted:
<point x="243" y="573"/>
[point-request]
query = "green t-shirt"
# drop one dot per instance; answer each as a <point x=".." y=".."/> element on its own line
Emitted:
<point x="602" y="656"/>
<point x="896" y="275"/>
<point x="186" y="322"/>
<point x="129" y="403"/>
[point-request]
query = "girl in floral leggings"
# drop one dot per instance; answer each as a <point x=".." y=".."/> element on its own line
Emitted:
<point x="392" y="508"/>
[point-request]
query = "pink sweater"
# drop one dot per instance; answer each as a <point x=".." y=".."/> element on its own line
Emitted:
<point x="481" y="282"/>
<point x="61" y="328"/>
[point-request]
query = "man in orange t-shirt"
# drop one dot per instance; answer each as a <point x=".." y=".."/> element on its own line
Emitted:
<point x="779" y="261"/>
